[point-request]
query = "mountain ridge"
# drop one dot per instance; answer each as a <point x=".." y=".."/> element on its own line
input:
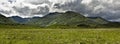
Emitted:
<point x="67" y="19"/>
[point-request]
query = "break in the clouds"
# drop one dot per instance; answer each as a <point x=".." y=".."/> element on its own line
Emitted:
<point x="108" y="9"/>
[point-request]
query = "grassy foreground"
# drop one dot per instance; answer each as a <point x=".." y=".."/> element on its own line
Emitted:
<point x="60" y="36"/>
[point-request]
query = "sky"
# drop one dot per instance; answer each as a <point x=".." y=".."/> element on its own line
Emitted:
<point x="108" y="9"/>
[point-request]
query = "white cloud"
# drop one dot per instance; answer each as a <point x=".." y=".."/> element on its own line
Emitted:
<point x="30" y="8"/>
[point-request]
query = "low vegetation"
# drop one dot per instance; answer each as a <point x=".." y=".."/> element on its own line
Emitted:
<point x="60" y="36"/>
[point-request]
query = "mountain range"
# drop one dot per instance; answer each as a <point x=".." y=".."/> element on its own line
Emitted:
<point x="67" y="19"/>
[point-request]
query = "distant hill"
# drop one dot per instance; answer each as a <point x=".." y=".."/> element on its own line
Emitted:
<point x="66" y="19"/>
<point x="6" y="20"/>
<point x="43" y="21"/>
<point x="20" y="20"/>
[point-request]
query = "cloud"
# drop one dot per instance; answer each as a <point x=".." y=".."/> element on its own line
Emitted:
<point x="108" y="9"/>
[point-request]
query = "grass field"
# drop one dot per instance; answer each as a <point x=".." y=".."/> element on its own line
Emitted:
<point x="60" y="36"/>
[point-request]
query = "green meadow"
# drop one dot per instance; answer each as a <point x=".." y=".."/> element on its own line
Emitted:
<point x="60" y="36"/>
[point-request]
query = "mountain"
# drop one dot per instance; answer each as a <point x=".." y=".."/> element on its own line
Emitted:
<point x="69" y="18"/>
<point x="5" y="20"/>
<point x="98" y="20"/>
<point x="20" y="20"/>
<point x="43" y="21"/>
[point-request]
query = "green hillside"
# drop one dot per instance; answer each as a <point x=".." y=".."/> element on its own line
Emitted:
<point x="59" y="20"/>
<point x="6" y="20"/>
<point x="69" y="18"/>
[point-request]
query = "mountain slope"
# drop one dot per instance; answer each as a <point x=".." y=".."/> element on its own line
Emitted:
<point x="5" y="20"/>
<point x="69" y="19"/>
<point x="19" y="19"/>
<point x="43" y="21"/>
